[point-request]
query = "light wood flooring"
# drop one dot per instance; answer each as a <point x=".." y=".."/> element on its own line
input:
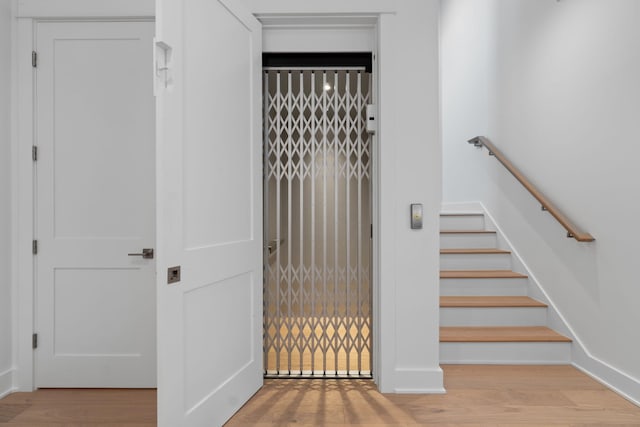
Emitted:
<point x="476" y="396"/>
<point x="480" y="274"/>
<point x="500" y="334"/>
<point x="79" y="408"/>
<point x="329" y="344"/>
<point x="489" y="301"/>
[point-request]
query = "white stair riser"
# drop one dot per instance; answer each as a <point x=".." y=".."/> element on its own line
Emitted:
<point x="475" y="261"/>
<point x="508" y="353"/>
<point x="462" y="222"/>
<point x="480" y="287"/>
<point x="467" y="240"/>
<point x="493" y="316"/>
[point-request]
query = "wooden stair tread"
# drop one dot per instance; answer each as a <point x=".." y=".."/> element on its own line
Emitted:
<point x="500" y="334"/>
<point x="480" y="274"/>
<point x="474" y="251"/>
<point x="489" y="301"/>
<point x="467" y="232"/>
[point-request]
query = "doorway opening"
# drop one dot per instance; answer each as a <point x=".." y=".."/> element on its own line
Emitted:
<point x="317" y="215"/>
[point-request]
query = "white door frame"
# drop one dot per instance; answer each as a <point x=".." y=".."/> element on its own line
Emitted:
<point x="381" y="17"/>
<point x="29" y="13"/>
<point x="300" y="29"/>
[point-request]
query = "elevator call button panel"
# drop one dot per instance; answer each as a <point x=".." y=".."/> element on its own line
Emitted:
<point x="416" y="216"/>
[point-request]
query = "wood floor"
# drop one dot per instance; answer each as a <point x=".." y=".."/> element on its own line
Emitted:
<point x="318" y="344"/>
<point x="500" y="334"/>
<point x="476" y="396"/>
<point x="79" y="408"/>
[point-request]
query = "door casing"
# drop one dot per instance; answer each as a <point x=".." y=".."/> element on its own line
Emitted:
<point x="289" y="33"/>
<point x="29" y="14"/>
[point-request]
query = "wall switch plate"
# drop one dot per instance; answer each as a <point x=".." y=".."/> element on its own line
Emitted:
<point x="416" y="216"/>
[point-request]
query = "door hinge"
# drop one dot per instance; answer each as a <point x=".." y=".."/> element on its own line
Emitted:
<point x="34" y="247"/>
<point x="34" y="153"/>
<point x="34" y="341"/>
<point x="371" y="230"/>
<point x="34" y="59"/>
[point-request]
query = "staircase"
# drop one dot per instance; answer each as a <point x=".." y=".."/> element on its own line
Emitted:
<point x="486" y="315"/>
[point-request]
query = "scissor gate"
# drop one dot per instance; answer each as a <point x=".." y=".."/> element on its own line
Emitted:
<point x="317" y="192"/>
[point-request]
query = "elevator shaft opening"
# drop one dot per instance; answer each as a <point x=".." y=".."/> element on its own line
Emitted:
<point x="317" y="218"/>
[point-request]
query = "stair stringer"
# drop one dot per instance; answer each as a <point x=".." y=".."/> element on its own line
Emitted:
<point x="603" y="372"/>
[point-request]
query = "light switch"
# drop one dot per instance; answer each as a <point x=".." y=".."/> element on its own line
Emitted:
<point x="416" y="216"/>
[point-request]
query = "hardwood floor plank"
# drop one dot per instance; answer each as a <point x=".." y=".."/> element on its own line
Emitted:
<point x="500" y="334"/>
<point x="480" y="274"/>
<point x="489" y="301"/>
<point x="10" y="411"/>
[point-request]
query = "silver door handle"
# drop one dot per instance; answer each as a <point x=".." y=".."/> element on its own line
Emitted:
<point x="147" y="253"/>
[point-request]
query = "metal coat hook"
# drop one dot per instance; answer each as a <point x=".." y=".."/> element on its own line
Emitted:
<point x="163" y="76"/>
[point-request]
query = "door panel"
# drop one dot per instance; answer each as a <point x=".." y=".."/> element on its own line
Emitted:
<point x="227" y="107"/>
<point x="203" y="307"/>
<point x="209" y="210"/>
<point x="95" y="313"/>
<point x="74" y="335"/>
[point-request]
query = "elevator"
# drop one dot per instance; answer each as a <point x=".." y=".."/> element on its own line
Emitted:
<point x="317" y="220"/>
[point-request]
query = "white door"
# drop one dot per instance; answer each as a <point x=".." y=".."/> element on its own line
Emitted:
<point x="209" y="210"/>
<point x="95" y="314"/>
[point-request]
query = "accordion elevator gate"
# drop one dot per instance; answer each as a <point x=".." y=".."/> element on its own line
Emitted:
<point x="317" y="210"/>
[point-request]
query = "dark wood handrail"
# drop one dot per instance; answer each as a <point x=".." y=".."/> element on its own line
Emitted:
<point x="572" y="230"/>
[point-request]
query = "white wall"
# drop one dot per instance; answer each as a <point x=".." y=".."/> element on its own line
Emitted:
<point x="465" y="63"/>
<point x="409" y="166"/>
<point x="5" y="197"/>
<point x="562" y="100"/>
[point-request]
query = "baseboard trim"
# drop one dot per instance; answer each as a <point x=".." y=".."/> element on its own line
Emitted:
<point x="609" y="376"/>
<point x="418" y="381"/>
<point x="623" y="384"/>
<point x="6" y="382"/>
<point x="420" y="390"/>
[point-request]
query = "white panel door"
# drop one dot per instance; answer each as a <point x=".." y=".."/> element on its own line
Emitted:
<point x="209" y="210"/>
<point x="96" y="306"/>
